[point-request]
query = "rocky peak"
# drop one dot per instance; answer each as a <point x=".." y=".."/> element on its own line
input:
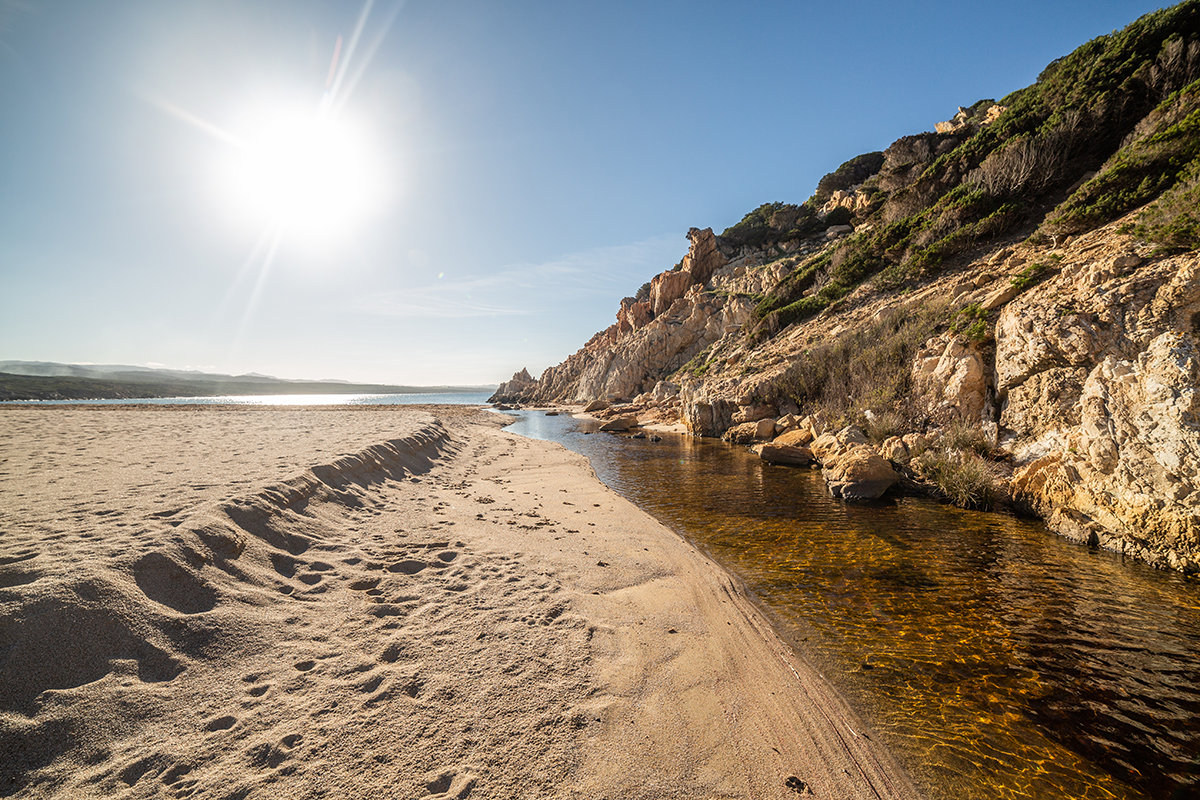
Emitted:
<point x="515" y="390"/>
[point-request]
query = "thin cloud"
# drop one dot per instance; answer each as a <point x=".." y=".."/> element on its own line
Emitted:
<point x="451" y="301"/>
<point x="525" y="289"/>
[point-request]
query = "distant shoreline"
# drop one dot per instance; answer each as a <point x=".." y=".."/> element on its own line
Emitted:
<point x="38" y="387"/>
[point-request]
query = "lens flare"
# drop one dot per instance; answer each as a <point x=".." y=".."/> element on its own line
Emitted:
<point x="311" y="172"/>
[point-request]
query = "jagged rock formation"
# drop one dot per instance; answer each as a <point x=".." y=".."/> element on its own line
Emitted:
<point x="1008" y="267"/>
<point x="654" y="338"/>
<point x="521" y="385"/>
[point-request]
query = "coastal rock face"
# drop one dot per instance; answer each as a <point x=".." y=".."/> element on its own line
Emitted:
<point x="1127" y="480"/>
<point x="949" y="378"/>
<point x="1099" y="372"/>
<point x="1086" y="378"/>
<point x="652" y="339"/>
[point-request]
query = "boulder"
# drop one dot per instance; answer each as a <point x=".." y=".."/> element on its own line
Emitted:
<point x="595" y="405"/>
<point x="746" y="433"/>
<point x="827" y="443"/>
<point x="799" y="437"/>
<point x="774" y="453"/>
<point x="894" y="450"/>
<point x="765" y="429"/>
<point x="620" y="424"/>
<point x="856" y="472"/>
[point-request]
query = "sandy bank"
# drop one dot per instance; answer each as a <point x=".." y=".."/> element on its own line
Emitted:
<point x="238" y="602"/>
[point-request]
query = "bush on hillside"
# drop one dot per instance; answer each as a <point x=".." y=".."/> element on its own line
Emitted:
<point x="773" y="222"/>
<point x="1173" y="221"/>
<point x="944" y="194"/>
<point x="849" y="174"/>
<point x="866" y="369"/>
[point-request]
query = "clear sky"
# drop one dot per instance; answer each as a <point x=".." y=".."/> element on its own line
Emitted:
<point x="460" y="189"/>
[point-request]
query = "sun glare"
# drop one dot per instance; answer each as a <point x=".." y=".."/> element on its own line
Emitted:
<point x="311" y="172"/>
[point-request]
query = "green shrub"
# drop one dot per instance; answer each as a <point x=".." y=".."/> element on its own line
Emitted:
<point x="849" y="174"/>
<point x="838" y="216"/>
<point x="1173" y="220"/>
<point x="971" y="322"/>
<point x="962" y="478"/>
<point x="774" y="222"/>
<point x="1029" y="276"/>
<point x="964" y="436"/>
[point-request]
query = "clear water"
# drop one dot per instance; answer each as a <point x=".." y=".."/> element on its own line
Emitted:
<point x="411" y="398"/>
<point x="995" y="658"/>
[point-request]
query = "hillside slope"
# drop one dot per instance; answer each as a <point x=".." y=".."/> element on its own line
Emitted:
<point x="1007" y="307"/>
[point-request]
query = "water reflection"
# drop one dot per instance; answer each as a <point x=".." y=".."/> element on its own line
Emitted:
<point x="998" y="660"/>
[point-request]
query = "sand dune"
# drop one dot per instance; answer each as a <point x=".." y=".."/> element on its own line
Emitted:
<point x="234" y="602"/>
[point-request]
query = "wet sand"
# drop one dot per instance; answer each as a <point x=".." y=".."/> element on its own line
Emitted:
<point x="377" y="601"/>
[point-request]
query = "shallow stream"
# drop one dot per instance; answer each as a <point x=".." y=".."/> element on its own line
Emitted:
<point x="996" y="659"/>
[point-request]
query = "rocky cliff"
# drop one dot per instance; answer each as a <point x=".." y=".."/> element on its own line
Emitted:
<point x="1013" y="300"/>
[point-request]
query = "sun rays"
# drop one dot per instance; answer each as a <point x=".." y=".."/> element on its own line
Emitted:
<point x="305" y="171"/>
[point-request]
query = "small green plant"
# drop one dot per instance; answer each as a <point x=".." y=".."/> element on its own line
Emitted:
<point x="1029" y="276"/>
<point x="971" y="322"/>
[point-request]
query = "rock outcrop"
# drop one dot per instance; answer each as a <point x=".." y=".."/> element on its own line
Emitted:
<point x="1101" y="379"/>
<point x="517" y="390"/>
<point x="1087" y="380"/>
<point x="949" y="378"/>
<point x="857" y="472"/>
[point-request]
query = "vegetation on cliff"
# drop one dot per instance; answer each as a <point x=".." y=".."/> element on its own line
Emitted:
<point x="1108" y="128"/>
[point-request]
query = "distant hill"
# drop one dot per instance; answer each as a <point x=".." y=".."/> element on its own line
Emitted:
<point x="42" y="380"/>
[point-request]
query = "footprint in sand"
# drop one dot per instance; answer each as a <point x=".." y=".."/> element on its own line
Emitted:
<point x="408" y="566"/>
<point x="304" y="666"/>
<point x="221" y="724"/>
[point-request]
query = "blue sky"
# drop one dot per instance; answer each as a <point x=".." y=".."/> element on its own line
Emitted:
<point x="524" y="165"/>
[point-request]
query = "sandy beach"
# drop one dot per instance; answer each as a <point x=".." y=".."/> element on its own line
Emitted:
<point x="377" y="602"/>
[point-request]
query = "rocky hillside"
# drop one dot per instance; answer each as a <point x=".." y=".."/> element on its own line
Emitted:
<point x="1004" y="310"/>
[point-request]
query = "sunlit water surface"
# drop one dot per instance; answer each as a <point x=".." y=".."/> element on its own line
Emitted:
<point x="996" y="659"/>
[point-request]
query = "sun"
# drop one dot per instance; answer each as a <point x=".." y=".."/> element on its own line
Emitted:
<point x="309" y="171"/>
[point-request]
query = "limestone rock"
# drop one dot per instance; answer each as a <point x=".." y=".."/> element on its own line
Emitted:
<point x="827" y="443"/>
<point x="856" y="472"/>
<point x="596" y="405"/>
<point x="949" y="379"/>
<point x="796" y="438"/>
<point x="765" y="429"/>
<point x="894" y="450"/>
<point x="516" y="390"/>
<point x="774" y="453"/>
<point x="745" y="433"/>
<point x="1099" y="376"/>
<point x="753" y="413"/>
